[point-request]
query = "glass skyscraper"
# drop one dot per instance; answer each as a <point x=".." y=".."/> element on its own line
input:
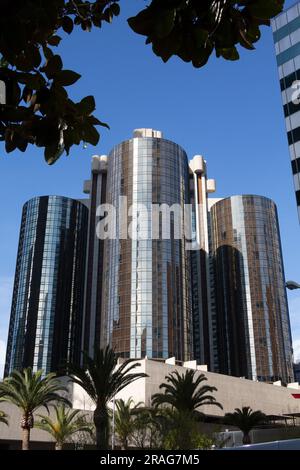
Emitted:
<point x="46" y="315"/>
<point x="204" y="284"/>
<point x="253" y="328"/>
<point x="286" y="32"/>
<point x="147" y="297"/>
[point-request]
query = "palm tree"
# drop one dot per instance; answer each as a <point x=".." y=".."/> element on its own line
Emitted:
<point x="245" y="419"/>
<point x="102" y="380"/>
<point x="185" y="392"/>
<point x="66" y="423"/>
<point x="30" y="390"/>
<point x="124" y="420"/>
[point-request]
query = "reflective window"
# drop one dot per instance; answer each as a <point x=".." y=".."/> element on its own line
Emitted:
<point x="252" y="310"/>
<point x="147" y="308"/>
<point x="46" y="314"/>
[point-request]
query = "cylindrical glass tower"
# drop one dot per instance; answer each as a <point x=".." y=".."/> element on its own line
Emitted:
<point x="254" y="337"/>
<point x="46" y="315"/>
<point x="146" y="297"/>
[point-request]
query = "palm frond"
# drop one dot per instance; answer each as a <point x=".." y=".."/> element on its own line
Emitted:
<point x="102" y="378"/>
<point x="184" y="392"/>
<point x="66" y="423"/>
<point x="30" y="390"/>
<point x="245" y="419"/>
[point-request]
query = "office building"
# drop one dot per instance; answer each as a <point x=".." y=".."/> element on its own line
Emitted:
<point x="46" y="315"/>
<point x="155" y="267"/>
<point x="146" y="282"/>
<point x="253" y="328"/>
<point x="286" y="32"/>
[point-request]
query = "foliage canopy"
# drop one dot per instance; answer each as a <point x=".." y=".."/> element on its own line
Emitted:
<point x="36" y="108"/>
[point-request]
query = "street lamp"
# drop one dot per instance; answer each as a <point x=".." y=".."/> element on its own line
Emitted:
<point x="292" y="285"/>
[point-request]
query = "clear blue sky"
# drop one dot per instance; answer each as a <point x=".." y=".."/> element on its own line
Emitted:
<point x="230" y="112"/>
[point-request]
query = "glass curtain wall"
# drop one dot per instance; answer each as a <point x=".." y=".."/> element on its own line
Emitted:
<point x="46" y="315"/>
<point x="254" y="336"/>
<point x="147" y="305"/>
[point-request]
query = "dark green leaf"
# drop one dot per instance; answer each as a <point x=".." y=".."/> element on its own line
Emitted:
<point x="67" y="24"/>
<point x="200" y="56"/>
<point x="67" y="77"/>
<point x="90" y="134"/>
<point x="47" y="52"/>
<point x="10" y="143"/>
<point x="33" y="56"/>
<point x="228" y="54"/>
<point x="87" y="105"/>
<point x="165" y="23"/>
<point x="200" y="36"/>
<point x="86" y="25"/>
<point x="168" y="46"/>
<point x="107" y="15"/>
<point x="54" y="40"/>
<point x="53" y="66"/>
<point x="59" y="93"/>
<point x="142" y="23"/>
<point x="21" y="143"/>
<point x="253" y="32"/>
<point x="34" y="82"/>
<point x="10" y="146"/>
<point x="53" y="152"/>
<point x="115" y="8"/>
<point x="97" y="21"/>
<point x="95" y="122"/>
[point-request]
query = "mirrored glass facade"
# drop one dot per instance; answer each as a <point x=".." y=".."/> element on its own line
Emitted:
<point x="146" y="297"/>
<point x="46" y="315"/>
<point x="286" y="32"/>
<point x="215" y="294"/>
<point x="253" y="328"/>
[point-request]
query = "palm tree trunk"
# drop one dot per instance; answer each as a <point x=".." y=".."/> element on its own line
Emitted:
<point x="27" y="422"/>
<point x="58" y="446"/>
<point x="101" y="424"/>
<point x="25" y="438"/>
<point x="246" y="438"/>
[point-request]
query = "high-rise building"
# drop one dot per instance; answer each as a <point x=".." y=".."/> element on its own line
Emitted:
<point x="96" y="188"/>
<point x="286" y="32"/>
<point x="253" y="328"/>
<point x="159" y="299"/>
<point x="46" y="315"/>
<point x="153" y="266"/>
<point x="147" y="297"/>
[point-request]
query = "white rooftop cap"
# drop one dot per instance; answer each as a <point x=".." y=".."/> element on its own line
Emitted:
<point x="143" y="132"/>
